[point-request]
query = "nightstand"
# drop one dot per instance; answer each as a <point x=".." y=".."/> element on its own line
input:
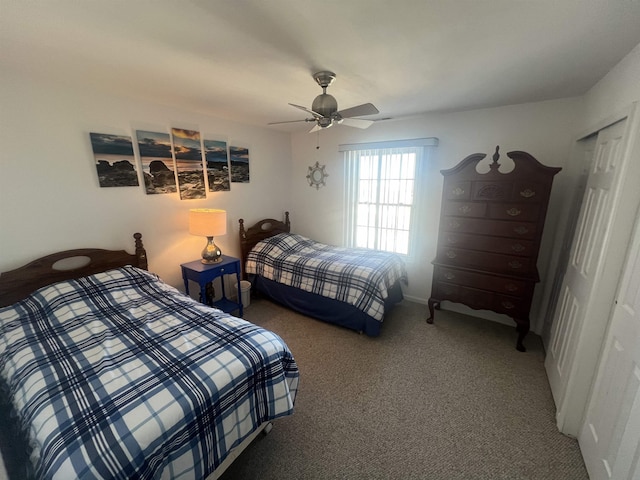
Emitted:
<point x="204" y="274"/>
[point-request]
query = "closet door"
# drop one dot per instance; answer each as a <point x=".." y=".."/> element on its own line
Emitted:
<point x="588" y="288"/>
<point x="610" y="436"/>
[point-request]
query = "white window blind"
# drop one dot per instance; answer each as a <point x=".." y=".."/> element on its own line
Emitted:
<point x="381" y="193"/>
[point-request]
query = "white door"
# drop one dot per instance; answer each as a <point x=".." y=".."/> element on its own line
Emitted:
<point x="610" y="436"/>
<point x="583" y="156"/>
<point x="586" y="295"/>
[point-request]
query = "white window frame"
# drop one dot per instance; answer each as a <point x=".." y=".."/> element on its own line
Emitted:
<point x="352" y="155"/>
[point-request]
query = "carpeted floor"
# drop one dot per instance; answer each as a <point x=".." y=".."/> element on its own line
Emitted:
<point x="452" y="400"/>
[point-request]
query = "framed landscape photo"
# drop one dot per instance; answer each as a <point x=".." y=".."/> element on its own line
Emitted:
<point x="188" y="155"/>
<point x="217" y="161"/>
<point x="115" y="161"/>
<point x="158" y="168"/>
<point x="239" y="157"/>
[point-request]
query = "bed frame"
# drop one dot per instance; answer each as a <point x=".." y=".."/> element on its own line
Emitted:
<point x="263" y="229"/>
<point x="19" y="283"/>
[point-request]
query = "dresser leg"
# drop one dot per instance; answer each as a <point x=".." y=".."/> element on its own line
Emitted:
<point x="522" y="327"/>
<point x="433" y="303"/>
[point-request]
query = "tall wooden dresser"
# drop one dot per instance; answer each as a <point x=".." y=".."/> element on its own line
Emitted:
<point x="490" y="229"/>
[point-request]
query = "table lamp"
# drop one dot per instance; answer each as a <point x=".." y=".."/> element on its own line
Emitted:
<point x="208" y="222"/>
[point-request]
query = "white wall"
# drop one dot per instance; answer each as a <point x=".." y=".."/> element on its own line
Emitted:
<point x="545" y="130"/>
<point x="50" y="199"/>
<point x="616" y="91"/>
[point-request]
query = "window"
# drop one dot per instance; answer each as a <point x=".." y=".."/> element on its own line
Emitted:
<point x="381" y="193"/>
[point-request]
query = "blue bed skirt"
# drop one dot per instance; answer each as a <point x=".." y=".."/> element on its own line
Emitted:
<point x="323" y="308"/>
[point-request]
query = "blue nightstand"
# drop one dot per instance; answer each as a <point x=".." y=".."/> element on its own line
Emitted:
<point x="203" y="274"/>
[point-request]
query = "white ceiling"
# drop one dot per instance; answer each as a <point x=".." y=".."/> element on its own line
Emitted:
<point x="245" y="60"/>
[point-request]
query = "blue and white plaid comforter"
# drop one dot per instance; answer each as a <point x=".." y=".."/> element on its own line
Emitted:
<point x="357" y="276"/>
<point x="119" y="375"/>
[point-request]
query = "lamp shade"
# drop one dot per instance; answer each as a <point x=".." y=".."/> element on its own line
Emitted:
<point x="207" y="222"/>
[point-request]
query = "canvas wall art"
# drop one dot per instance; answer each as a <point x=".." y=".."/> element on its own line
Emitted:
<point x="188" y="156"/>
<point x="115" y="162"/>
<point x="158" y="168"/>
<point x="217" y="161"/>
<point x="239" y="157"/>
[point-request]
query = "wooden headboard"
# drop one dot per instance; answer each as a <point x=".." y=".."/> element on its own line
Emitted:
<point x="259" y="231"/>
<point x="19" y="283"/>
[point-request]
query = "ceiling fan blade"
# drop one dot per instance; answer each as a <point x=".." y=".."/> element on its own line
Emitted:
<point x="364" y="109"/>
<point x="356" y="122"/>
<point x="289" y="121"/>
<point x="316" y="115"/>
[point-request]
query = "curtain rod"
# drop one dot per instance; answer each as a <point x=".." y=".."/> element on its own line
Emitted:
<point x="416" y="142"/>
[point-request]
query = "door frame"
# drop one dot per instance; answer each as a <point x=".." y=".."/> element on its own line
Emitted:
<point x="570" y="412"/>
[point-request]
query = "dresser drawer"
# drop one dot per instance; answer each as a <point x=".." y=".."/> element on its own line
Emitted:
<point x="490" y="262"/>
<point x="499" y="228"/>
<point x="466" y="209"/>
<point x="492" y="191"/>
<point x="512" y="306"/>
<point x="478" y="299"/>
<point x="521" y="212"/>
<point x="508" y="246"/>
<point x="457" y="190"/>
<point x="490" y="282"/>
<point x="530" y="192"/>
<point x="517" y="307"/>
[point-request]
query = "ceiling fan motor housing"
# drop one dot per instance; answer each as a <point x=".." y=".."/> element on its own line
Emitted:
<point x="325" y="105"/>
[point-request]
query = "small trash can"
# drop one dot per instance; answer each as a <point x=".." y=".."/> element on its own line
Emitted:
<point x="245" y="293"/>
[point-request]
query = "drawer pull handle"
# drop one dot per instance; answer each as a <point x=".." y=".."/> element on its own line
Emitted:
<point x="458" y="191"/>
<point x="527" y="193"/>
<point x="465" y="209"/>
<point x="516" y="247"/>
<point x="515" y="264"/>
<point x="452" y="240"/>
<point x="451" y="254"/>
<point x="454" y="224"/>
<point x="514" y="212"/>
<point x="521" y="230"/>
<point x="508" y="305"/>
<point x="511" y="287"/>
<point x="449" y="276"/>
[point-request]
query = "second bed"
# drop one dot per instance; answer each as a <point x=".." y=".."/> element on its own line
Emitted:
<point x="350" y="287"/>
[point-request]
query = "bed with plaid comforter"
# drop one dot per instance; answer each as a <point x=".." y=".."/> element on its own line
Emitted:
<point x="119" y="375"/>
<point x="357" y="276"/>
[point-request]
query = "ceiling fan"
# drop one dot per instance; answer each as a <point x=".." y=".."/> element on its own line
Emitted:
<point x="324" y="109"/>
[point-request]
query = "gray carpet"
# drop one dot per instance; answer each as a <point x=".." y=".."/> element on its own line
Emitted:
<point x="453" y="400"/>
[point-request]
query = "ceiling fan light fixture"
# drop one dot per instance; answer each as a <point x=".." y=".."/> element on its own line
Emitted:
<point x="325" y="122"/>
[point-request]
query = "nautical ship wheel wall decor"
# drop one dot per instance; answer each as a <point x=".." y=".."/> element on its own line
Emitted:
<point x="317" y="175"/>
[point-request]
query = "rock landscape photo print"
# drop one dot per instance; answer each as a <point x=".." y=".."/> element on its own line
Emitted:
<point x="217" y="160"/>
<point x="115" y="162"/>
<point x="239" y="164"/>
<point x="188" y="155"/>
<point x="158" y="168"/>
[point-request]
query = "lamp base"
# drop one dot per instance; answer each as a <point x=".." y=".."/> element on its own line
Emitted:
<point x="209" y="262"/>
<point x="211" y="253"/>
